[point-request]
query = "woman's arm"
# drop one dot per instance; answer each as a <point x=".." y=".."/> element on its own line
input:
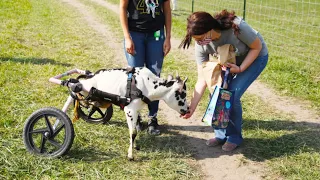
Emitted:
<point x="167" y="23"/>
<point x="255" y="48"/>
<point x="125" y="28"/>
<point x="199" y="89"/>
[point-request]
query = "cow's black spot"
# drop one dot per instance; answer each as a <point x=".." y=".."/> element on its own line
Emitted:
<point x="155" y="82"/>
<point x="183" y="95"/>
<point x="177" y="98"/>
<point x="176" y="94"/>
<point x="156" y="86"/>
<point x="181" y="103"/>
<point x="163" y="83"/>
<point x="134" y="137"/>
<point x="170" y="83"/>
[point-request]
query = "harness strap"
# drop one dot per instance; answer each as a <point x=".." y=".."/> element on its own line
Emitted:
<point x="132" y="91"/>
<point x="129" y="80"/>
<point x="137" y="93"/>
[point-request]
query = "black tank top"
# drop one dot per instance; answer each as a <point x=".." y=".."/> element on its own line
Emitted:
<point x="140" y="20"/>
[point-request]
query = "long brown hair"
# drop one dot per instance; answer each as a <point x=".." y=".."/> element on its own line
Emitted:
<point x="201" y="22"/>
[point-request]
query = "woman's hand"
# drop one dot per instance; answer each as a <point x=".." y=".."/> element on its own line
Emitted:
<point x="166" y="46"/>
<point x="234" y="68"/>
<point x="129" y="46"/>
<point x="188" y="114"/>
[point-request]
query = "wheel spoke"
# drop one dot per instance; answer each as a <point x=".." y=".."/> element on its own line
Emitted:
<point x="55" y="143"/>
<point x="39" y="130"/>
<point x="100" y="112"/>
<point x="57" y="131"/>
<point x="43" y="142"/>
<point x="93" y="110"/>
<point x="48" y="124"/>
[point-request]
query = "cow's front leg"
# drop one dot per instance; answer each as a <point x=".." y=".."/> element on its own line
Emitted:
<point x="132" y="116"/>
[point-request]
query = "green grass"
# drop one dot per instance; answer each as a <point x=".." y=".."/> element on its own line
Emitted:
<point x="291" y="149"/>
<point x="40" y="39"/>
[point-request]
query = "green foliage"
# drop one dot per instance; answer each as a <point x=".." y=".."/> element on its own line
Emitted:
<point x="40" y="39"/>
<point x="290" y="148"/>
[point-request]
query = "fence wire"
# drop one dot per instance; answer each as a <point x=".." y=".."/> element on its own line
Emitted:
<point x="291" y="28"/>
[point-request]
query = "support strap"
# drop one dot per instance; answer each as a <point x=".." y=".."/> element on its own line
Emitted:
<point x="132" y="93"/>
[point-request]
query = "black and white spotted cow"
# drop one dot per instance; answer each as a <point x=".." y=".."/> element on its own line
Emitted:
<point x="114" y="81"/>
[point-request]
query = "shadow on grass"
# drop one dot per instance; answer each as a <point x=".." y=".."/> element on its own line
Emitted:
<point x="265" y="140"/>
<point x="117" y="122"/>
<point x="269" y="139"/>
<point x="38" y="61"/>
<point x="178" y="145"/>
<point x="280" y="138"/>
<point x="90" y="154"/>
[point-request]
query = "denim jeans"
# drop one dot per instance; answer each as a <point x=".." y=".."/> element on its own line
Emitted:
<point x="239" y="85"/>
<point x="148" y="53"/>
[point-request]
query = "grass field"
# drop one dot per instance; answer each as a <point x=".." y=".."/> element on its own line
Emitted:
<point x="39" y="39"/>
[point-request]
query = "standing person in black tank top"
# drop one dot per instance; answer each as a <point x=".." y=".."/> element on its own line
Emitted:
<point x="146" y="26"/>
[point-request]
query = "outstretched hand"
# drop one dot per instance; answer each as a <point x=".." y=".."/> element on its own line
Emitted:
<point x="187" y="115"/>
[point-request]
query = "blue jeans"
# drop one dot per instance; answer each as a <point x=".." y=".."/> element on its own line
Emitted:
<point x="239" y="85"/>
<point x="149" y="53"/>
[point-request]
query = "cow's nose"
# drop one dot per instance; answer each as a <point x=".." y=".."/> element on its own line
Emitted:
<point x="183" y="112"/>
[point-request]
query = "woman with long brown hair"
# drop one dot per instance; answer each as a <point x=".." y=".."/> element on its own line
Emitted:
<point x="251" y="58"/>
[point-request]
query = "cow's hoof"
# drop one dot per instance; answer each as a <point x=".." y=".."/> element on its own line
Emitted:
<point x="137" y="148"/>
<point x="130" y="158"/>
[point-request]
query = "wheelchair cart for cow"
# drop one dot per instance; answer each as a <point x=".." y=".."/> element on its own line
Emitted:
<point x="49" y="131"/>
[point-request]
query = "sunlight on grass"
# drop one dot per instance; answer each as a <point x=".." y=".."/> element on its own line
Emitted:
<point x="51" y="39"/>
<point x="40" y="39"/>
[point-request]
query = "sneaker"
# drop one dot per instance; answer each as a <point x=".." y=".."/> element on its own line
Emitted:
<point x="153" y="126"/>
<point x="213" y="142"/>
<point x="228" y="146"/>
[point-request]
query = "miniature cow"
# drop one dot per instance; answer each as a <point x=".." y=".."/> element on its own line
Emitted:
<point x="114" y="81"/>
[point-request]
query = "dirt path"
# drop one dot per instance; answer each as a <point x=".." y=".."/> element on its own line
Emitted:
<point x="214" y="163"/>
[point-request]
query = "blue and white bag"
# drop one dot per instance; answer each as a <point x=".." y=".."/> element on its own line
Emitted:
<point x="218" y="110"/>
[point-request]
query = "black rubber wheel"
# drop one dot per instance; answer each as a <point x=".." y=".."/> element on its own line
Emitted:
<point x="93" y="114"/>
<point x="48" y="132"/>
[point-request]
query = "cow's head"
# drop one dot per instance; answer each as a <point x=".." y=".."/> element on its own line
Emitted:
<point x="176" y="98"/>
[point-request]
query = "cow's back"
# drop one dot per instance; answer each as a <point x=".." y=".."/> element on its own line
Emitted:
<point x="115" y="80"/>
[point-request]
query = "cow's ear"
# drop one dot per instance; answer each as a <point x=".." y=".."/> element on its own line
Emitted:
<point x="170" y="78"/>
<point x="184" y="82"/>
<point x="183" y="85"/>
<point x="178" y="79"/>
